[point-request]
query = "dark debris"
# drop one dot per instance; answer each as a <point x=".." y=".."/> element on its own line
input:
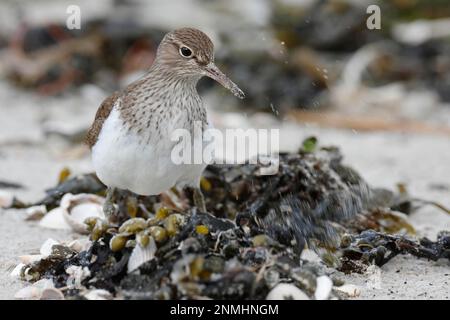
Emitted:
<point x="250" y="239"/>
<point x="376" y="247"/>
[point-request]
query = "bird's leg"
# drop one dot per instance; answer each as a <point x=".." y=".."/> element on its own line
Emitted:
<point x="108" y="206"/>
<point x="199" y="200"/>
<point x="132" y="205"/>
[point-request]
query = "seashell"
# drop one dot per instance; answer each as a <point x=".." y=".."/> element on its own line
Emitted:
<point x="349" y="290"/>
<point x="35" y="213"/>
<point x="323" y="288"/>
<point x="79" y="245"/>
<point x="140" y="255"/>
<point x="44" y="283"/>
<point x="51" y="294"/>
<point x="46" y="248"/>
<point x="133" y="225"/>
<point x="17" y="270"/>
<point x="28" y="293"/>
<point x="77" y="208"/>
<point x="286" y="291"/>
<point x="27" y="259"/>
<point x="98" y="294"/>
<point x="6" y="199"/>
<point x="35" y="290"/>
<point x="54" y="219"/>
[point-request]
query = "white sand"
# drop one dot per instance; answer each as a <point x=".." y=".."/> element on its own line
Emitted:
<point x="384" y="159"/>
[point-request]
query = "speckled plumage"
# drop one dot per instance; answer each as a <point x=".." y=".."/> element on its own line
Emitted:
<point x="131" y="134"/>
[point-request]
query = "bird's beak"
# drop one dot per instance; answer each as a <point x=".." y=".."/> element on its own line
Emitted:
<point x="214" y="73"/>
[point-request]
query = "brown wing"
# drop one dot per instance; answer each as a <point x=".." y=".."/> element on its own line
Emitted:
<point x="102" y="113"/>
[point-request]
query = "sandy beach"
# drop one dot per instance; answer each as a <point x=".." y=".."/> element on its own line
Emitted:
<point x="288" y="61"/>
<point x="421" y="162"/>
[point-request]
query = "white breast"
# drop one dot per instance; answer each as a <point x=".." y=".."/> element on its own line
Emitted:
<point x="123" y="159"/>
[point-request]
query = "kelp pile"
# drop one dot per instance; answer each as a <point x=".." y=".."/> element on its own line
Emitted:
<point x="247" y="244"/>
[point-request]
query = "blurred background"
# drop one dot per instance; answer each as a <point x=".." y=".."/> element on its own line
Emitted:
<point x="308" y="67"/>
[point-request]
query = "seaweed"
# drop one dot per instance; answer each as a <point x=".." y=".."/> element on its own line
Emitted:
<point x="250" y="239"/>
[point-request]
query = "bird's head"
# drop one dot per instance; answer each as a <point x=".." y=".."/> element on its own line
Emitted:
<point x="189" y="53"/>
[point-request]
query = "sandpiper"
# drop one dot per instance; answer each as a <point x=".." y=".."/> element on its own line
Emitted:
<point x="130" y="138"/>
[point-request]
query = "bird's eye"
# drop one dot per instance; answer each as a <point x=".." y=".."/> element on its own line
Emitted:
<point x="186" y="52"/>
